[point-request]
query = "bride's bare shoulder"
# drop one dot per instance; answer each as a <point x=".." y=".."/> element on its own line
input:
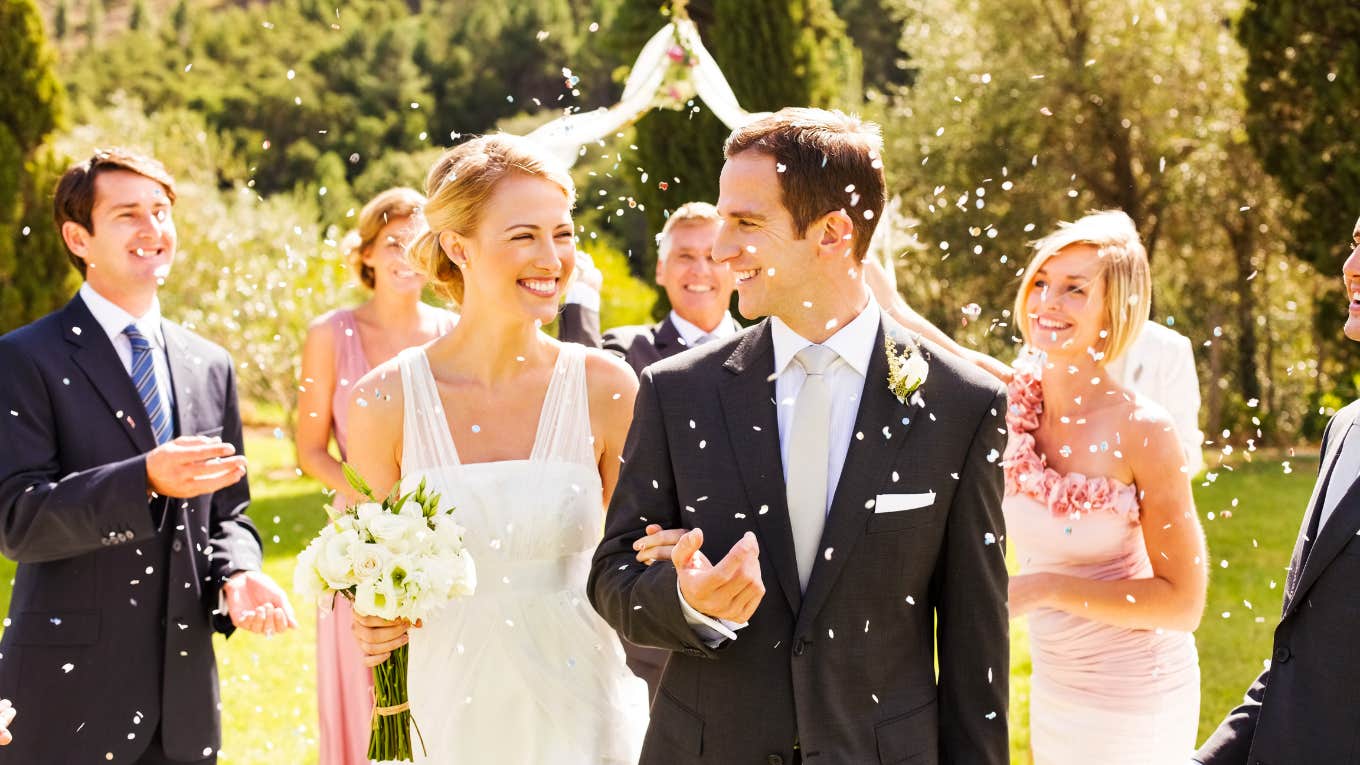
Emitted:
<point x="609" y="380"/>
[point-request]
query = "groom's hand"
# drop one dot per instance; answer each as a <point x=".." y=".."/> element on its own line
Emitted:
<point x="730" y="590"/>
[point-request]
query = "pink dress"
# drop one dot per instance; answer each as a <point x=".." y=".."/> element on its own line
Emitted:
<point x="344" y="686"/>
<point x="1099" y="693"/>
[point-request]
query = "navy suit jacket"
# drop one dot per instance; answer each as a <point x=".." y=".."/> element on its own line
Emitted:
<point x="115" y="598"/>
<point x="1303" y="709"/>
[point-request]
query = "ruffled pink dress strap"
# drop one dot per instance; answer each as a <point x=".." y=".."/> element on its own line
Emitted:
<point x="1027" y="472"/>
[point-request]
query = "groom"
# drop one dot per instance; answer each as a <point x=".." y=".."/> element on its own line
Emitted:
<point x="855" y="524"/>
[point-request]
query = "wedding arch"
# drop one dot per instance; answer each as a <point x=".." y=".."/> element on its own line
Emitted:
<point x="673" y="69"/>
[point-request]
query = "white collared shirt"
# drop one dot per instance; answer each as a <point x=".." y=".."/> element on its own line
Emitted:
<point x="691" y="332"/>
<point x="113" y="320"/>
<point x="854" y="344"/>
<point x="1343" y="474"/>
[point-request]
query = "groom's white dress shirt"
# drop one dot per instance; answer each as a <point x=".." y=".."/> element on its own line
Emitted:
<point x="113" y="320"/>
<point x="854" y="344"/>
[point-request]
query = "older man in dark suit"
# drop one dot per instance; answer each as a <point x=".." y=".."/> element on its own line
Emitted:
<point x="844" y="477"/>
<point x="698" y="287"/>
<point x="122" y="497"/>
<point x="1302" y="709"/>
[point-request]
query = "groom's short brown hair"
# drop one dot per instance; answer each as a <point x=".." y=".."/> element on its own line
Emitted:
<point x="827" y="161"/>
<point x="74" y="198"/>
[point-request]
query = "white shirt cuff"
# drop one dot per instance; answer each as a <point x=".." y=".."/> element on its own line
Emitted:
<point x="584" y="295"/>
<point x="712" y="631"/>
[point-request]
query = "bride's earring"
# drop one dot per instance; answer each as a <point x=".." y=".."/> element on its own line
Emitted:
<point x="452" y="250"/>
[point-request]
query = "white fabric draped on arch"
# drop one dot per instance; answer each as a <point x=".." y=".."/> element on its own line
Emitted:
<point x="675" y="48"/>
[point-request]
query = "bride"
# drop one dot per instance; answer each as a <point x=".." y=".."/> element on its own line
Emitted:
<point x="522" y="434"/>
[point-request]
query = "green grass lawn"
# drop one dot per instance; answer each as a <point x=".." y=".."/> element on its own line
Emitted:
<point x="268" y="684"/>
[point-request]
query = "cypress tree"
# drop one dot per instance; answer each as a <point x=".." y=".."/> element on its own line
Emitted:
<point x="179" y="20"/>
<point x="1303" y="74"/>
<point x="138" y="19"/>
<point x="61" y="20"/>
<point x="774" y="53"/>
<point x="35" y="276"/>
<point x="94" y="20"/>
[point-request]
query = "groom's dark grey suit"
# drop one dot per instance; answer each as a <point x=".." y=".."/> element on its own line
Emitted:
<point x="845" y="672"/>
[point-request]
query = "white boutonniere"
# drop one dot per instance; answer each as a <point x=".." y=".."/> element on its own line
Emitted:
<point x="907" y="368"/>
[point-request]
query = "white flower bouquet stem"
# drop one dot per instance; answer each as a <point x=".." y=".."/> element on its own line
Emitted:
<point x="401" y="557"/>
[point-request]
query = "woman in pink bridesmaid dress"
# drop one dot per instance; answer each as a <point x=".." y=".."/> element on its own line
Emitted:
<point x="341" y="347"/>
<point x="1098" y="506"/>
<point x="1113" y="567"/>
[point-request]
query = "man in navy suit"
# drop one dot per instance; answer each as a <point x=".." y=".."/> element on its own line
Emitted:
<point x="122" y="498"/>
<point x="1302" y="709"/>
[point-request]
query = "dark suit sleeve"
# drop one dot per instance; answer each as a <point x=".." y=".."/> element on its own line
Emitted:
<point x="642" y="602"/>
<point x="234" y="541"/>
<point x="1230" y="743"/>
<point x="45" y="515"/>
<point x="970" y="588"/>
<point x="635" y="346"/>
<point x="580" y="325"/>
<point x="616" y="343"/>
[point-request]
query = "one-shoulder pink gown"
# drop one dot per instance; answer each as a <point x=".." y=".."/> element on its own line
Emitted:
<point x="1099" y="693"/>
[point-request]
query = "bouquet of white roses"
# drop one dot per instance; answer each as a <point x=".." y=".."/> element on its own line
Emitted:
<point x="399" y="557"/>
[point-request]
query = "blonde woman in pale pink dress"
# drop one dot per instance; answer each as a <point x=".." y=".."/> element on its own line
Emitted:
<point x="341" y="347"/>
<point x="1098" y="508"/>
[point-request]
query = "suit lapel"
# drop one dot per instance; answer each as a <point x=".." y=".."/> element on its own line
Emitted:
<point x="1331" y="451"/>
<point x="883" y="422"/>
<point x="748" y="404"/>
<point x="96" y="357"/>
<point x="186" y="378"/>
<point x="667" y="338"/>
<point x="1340" y="527"/>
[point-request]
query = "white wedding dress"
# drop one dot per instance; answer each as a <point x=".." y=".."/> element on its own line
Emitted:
<point x="524" y="672"/>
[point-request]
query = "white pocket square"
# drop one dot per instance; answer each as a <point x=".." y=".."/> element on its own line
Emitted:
<point x="896" y="503"/>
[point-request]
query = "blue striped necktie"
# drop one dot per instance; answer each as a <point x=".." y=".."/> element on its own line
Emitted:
<point x="144" y="377"/>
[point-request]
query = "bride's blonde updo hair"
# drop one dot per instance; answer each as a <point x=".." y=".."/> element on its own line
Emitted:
<point x="459" y="186"/>
<point x="387" y="206"/>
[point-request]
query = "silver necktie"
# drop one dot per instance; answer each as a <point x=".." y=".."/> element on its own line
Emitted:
<point x="808" y="457"/>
